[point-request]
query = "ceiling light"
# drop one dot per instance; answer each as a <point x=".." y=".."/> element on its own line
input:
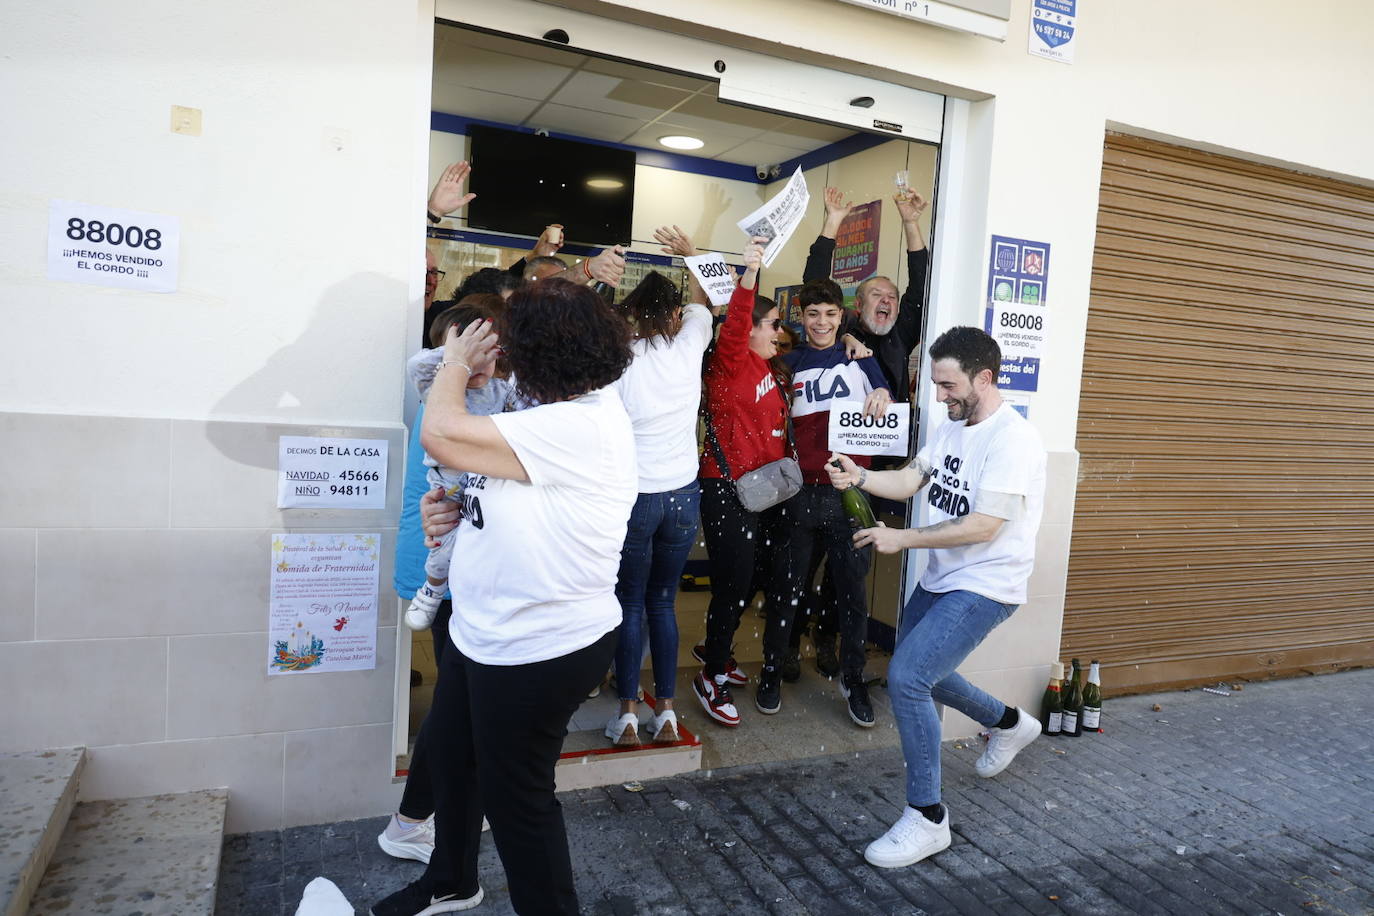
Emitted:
<point x="679" y="141"/>
<point x="605" y="184"/>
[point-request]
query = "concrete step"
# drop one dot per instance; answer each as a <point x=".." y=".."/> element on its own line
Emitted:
<point x="588" y="760"/>
<point x="155" y="856"/>
<point x="37" y="792"/>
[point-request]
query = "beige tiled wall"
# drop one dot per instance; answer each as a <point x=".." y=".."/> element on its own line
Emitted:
<point x="134" y="560"/>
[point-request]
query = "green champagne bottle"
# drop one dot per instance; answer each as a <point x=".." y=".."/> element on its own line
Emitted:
<point x="856" y="506"/>
<point x="1052" y="706"/>
<point x="1092" y="700"/>
<point x="1072" y="724"/>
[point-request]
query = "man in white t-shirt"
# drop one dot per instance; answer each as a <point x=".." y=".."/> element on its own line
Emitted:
<point x="986" y="476"/>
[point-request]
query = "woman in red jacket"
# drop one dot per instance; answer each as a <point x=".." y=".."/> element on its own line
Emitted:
<point x="748" y="415"/>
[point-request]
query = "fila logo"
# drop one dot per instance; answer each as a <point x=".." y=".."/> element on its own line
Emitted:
<point x="811" y="390"/>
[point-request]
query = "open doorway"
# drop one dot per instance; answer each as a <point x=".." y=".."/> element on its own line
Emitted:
<point x="742" y="157"/>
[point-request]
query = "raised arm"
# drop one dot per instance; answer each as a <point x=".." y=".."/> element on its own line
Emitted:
<point x="607" y="267"/>
<point x="449" y="434"/>
<point x="911" y="314"/>
<point x="450" y="191"/>
<point x="675" y="241"/>
<point x="733" y="342"/>
<point x="822" y="253"/>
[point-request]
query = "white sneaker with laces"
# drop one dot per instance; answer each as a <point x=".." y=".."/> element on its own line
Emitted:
<point x="623" y="730"/>
<point x="908" y="841"/>
<point x="424" y="607"/>
<point x="416" y="843"/>
<point x="1005" y="743"/>
<point x="663" y="726"/>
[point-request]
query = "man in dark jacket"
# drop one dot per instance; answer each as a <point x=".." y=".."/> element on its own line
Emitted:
<point x="887" y="326"/>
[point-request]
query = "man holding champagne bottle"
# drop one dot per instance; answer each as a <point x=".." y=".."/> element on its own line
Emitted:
<point x="986" y="473"/>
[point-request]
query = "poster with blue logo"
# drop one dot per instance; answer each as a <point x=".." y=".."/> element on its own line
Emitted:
<point x="1017" y="315"/>
<point x="1053" y="34"/>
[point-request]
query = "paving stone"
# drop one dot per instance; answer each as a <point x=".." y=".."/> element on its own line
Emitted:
<point x="1277" y="823"/>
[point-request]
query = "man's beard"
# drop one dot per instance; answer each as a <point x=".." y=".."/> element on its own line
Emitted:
<point x="880" y="327"/>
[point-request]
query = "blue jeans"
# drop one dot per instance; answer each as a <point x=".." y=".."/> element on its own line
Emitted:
<point x="937" y="633"/>
<point x="657" y="541"/>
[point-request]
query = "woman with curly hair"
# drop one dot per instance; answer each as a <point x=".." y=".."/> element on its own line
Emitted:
<point x="661" y="391"/>
<point x="535" y="617"/>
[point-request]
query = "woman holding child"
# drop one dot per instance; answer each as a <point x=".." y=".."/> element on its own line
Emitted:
<point x="547" y="495"/>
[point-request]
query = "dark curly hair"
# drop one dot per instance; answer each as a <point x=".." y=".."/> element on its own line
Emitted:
<point x="652" y="308"/>
<point x="488" y="280"/>
<point x="563" y="340"/>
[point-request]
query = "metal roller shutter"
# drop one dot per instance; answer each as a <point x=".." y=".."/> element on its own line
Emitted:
<point x="1224" y="524"/>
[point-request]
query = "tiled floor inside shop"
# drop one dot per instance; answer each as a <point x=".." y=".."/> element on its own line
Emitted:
<point x="813" y="720"/>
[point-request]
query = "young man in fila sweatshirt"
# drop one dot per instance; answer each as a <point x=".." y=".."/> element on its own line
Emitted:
<point x="814" y="519"/>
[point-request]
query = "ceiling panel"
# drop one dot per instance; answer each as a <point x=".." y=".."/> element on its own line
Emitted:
<point x="494" y="72"/>
<point x="500" y="79"/>
<point x="485" y="106"/>
<point x="594" y="125"/>
<point x="614" y="95"/>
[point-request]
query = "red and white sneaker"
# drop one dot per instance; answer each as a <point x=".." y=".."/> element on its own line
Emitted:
<point x="714" y="694"/>
<point x="732" y="671"/>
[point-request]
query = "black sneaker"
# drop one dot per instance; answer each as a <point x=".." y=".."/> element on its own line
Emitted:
<point x="420" y="899"/>
<point x="827" y="662"/>
<point x="791" y="667"/>
<point x="768" y="695"/>
<point x="855" y="691"/>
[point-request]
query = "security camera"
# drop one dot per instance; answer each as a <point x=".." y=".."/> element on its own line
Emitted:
<point x="541" y="131"/>
<point x="774" y="171"/>
<point x="765" y="172"/>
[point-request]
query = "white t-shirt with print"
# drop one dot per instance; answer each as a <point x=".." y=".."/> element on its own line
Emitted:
<point x="535" y="564"/>
<point x="662" y="391"/>
<point x="1001" y="455"/>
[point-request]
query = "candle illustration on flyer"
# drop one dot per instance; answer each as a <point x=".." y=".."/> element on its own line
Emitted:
<point x="323" y="603"/>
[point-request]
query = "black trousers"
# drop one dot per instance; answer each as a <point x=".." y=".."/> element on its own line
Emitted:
<point x="816" y="522"/>
<point x="495" y="735"/>
<point x="733" y="537"/>
<point x="417" y="800"/>
<point x="818" y="606"/>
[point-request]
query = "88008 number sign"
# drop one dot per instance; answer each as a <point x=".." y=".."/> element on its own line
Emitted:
<point x="853" y="433"/>
<point x="850" y="419"/>
<point x="105" y="246"/>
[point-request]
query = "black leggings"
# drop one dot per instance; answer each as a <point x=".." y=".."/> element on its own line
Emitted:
<point x="495" y="735"/>
<point x="417" y="801"/>
<point x="733" y="535"/>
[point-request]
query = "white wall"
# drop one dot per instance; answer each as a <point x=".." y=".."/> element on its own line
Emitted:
<point x="296" y="260"/>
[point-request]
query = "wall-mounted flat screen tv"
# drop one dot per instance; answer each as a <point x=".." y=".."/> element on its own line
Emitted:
<point x="524" y="182"/>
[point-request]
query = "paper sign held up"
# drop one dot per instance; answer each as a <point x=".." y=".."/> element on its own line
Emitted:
<point x="715" y="276"/>
<point x="779" y="218"/>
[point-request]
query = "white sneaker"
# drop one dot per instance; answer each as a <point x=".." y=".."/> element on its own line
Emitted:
<point x="416" y="843"/>
<point x="663" y="726"/>
<point x="624" y="730"/>
<point x="424" y="607"/>
<point x="908" y="841"/>
<point x="1004" y="743"/>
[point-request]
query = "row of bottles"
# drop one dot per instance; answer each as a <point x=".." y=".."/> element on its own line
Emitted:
<point x="1073" y="709"/>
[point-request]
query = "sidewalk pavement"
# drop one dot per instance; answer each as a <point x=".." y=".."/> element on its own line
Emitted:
<point x="1261" y="802"/>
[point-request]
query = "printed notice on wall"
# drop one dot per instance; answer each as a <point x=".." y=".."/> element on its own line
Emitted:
<point x="1017" y="315"/>
<point x="323" y="613"/>
<point x="1053" y="33"/>
<point x="105" y="246"/>
<point x="318" y="473"/>
<point x="852" y="433"/>
<point x="714" y="275"/>
<point x="779" y="218"/>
